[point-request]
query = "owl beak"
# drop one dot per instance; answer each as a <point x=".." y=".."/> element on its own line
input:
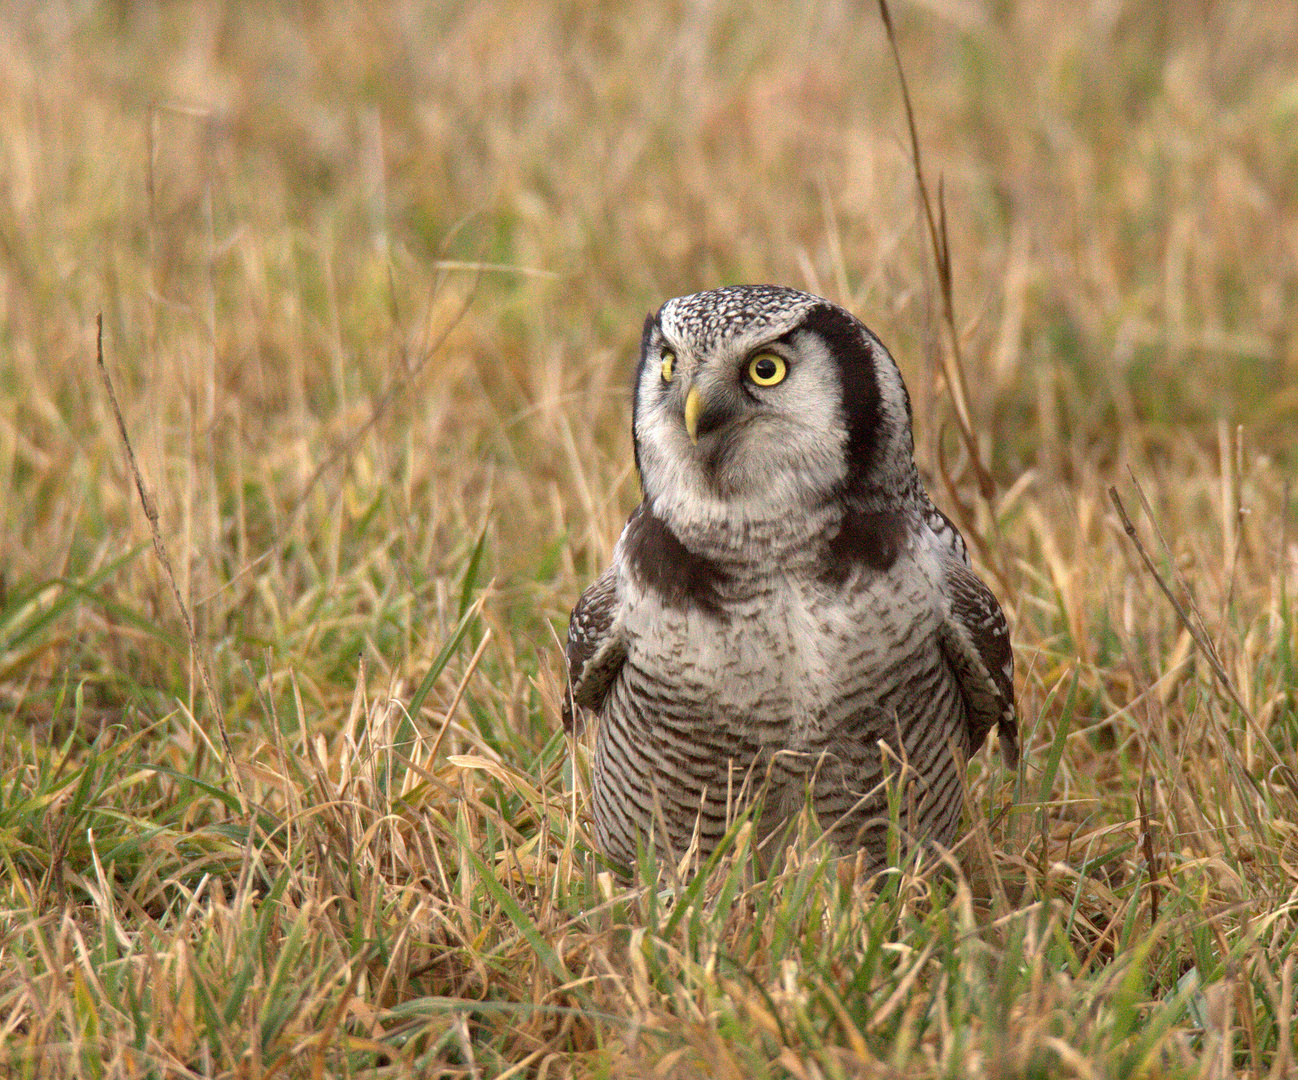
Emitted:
<point x="693" y="410"/>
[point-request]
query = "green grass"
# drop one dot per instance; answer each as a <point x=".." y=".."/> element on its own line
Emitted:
<point x="372" y="278"/>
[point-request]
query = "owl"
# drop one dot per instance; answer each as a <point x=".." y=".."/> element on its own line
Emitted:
<point x="788" y="620"/>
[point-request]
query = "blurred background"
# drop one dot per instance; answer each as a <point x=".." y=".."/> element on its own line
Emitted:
<point x="272" y="206"/>
<point x="372" y="278"/>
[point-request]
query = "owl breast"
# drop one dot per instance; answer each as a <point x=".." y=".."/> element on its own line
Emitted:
<point x="782" y="692"/>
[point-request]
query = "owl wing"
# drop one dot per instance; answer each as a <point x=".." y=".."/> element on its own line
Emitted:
<point x="976" y="642"/>
<point x="948" y="536"/>
<point x="596" y="649"/>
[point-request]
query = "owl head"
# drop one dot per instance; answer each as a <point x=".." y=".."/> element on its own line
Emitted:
<point x="761" y="400"/>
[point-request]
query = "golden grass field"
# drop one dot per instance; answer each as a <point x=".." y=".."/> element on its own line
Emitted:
<point x="372" y="278"/>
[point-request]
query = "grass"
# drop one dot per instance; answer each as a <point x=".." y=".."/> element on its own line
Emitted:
<point x="372" y="279"/>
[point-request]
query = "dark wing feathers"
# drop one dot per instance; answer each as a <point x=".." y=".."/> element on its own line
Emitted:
<point x="976" y="641"/>
<point x="595" y="651"/>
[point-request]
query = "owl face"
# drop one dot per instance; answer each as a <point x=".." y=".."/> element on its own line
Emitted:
<point x="763" y="399"/>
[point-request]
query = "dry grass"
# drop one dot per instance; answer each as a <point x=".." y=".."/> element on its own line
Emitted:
<point x="383" y="477"/>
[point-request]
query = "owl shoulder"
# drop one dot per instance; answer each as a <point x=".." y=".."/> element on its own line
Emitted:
<point x="596" y="649"/>
<point x="975" y="639"/>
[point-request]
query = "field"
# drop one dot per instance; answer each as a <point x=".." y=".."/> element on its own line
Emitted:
<point x="283" y="786"/>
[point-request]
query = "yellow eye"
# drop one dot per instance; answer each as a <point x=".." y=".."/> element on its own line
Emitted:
<point x="669" y="364"/>
<point x="767" y="369"/>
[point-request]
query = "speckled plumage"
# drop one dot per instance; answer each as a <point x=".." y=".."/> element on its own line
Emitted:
<point x="787" y="611"/>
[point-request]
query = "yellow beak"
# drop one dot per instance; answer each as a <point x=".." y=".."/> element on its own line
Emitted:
<point x="693" y="409"/>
